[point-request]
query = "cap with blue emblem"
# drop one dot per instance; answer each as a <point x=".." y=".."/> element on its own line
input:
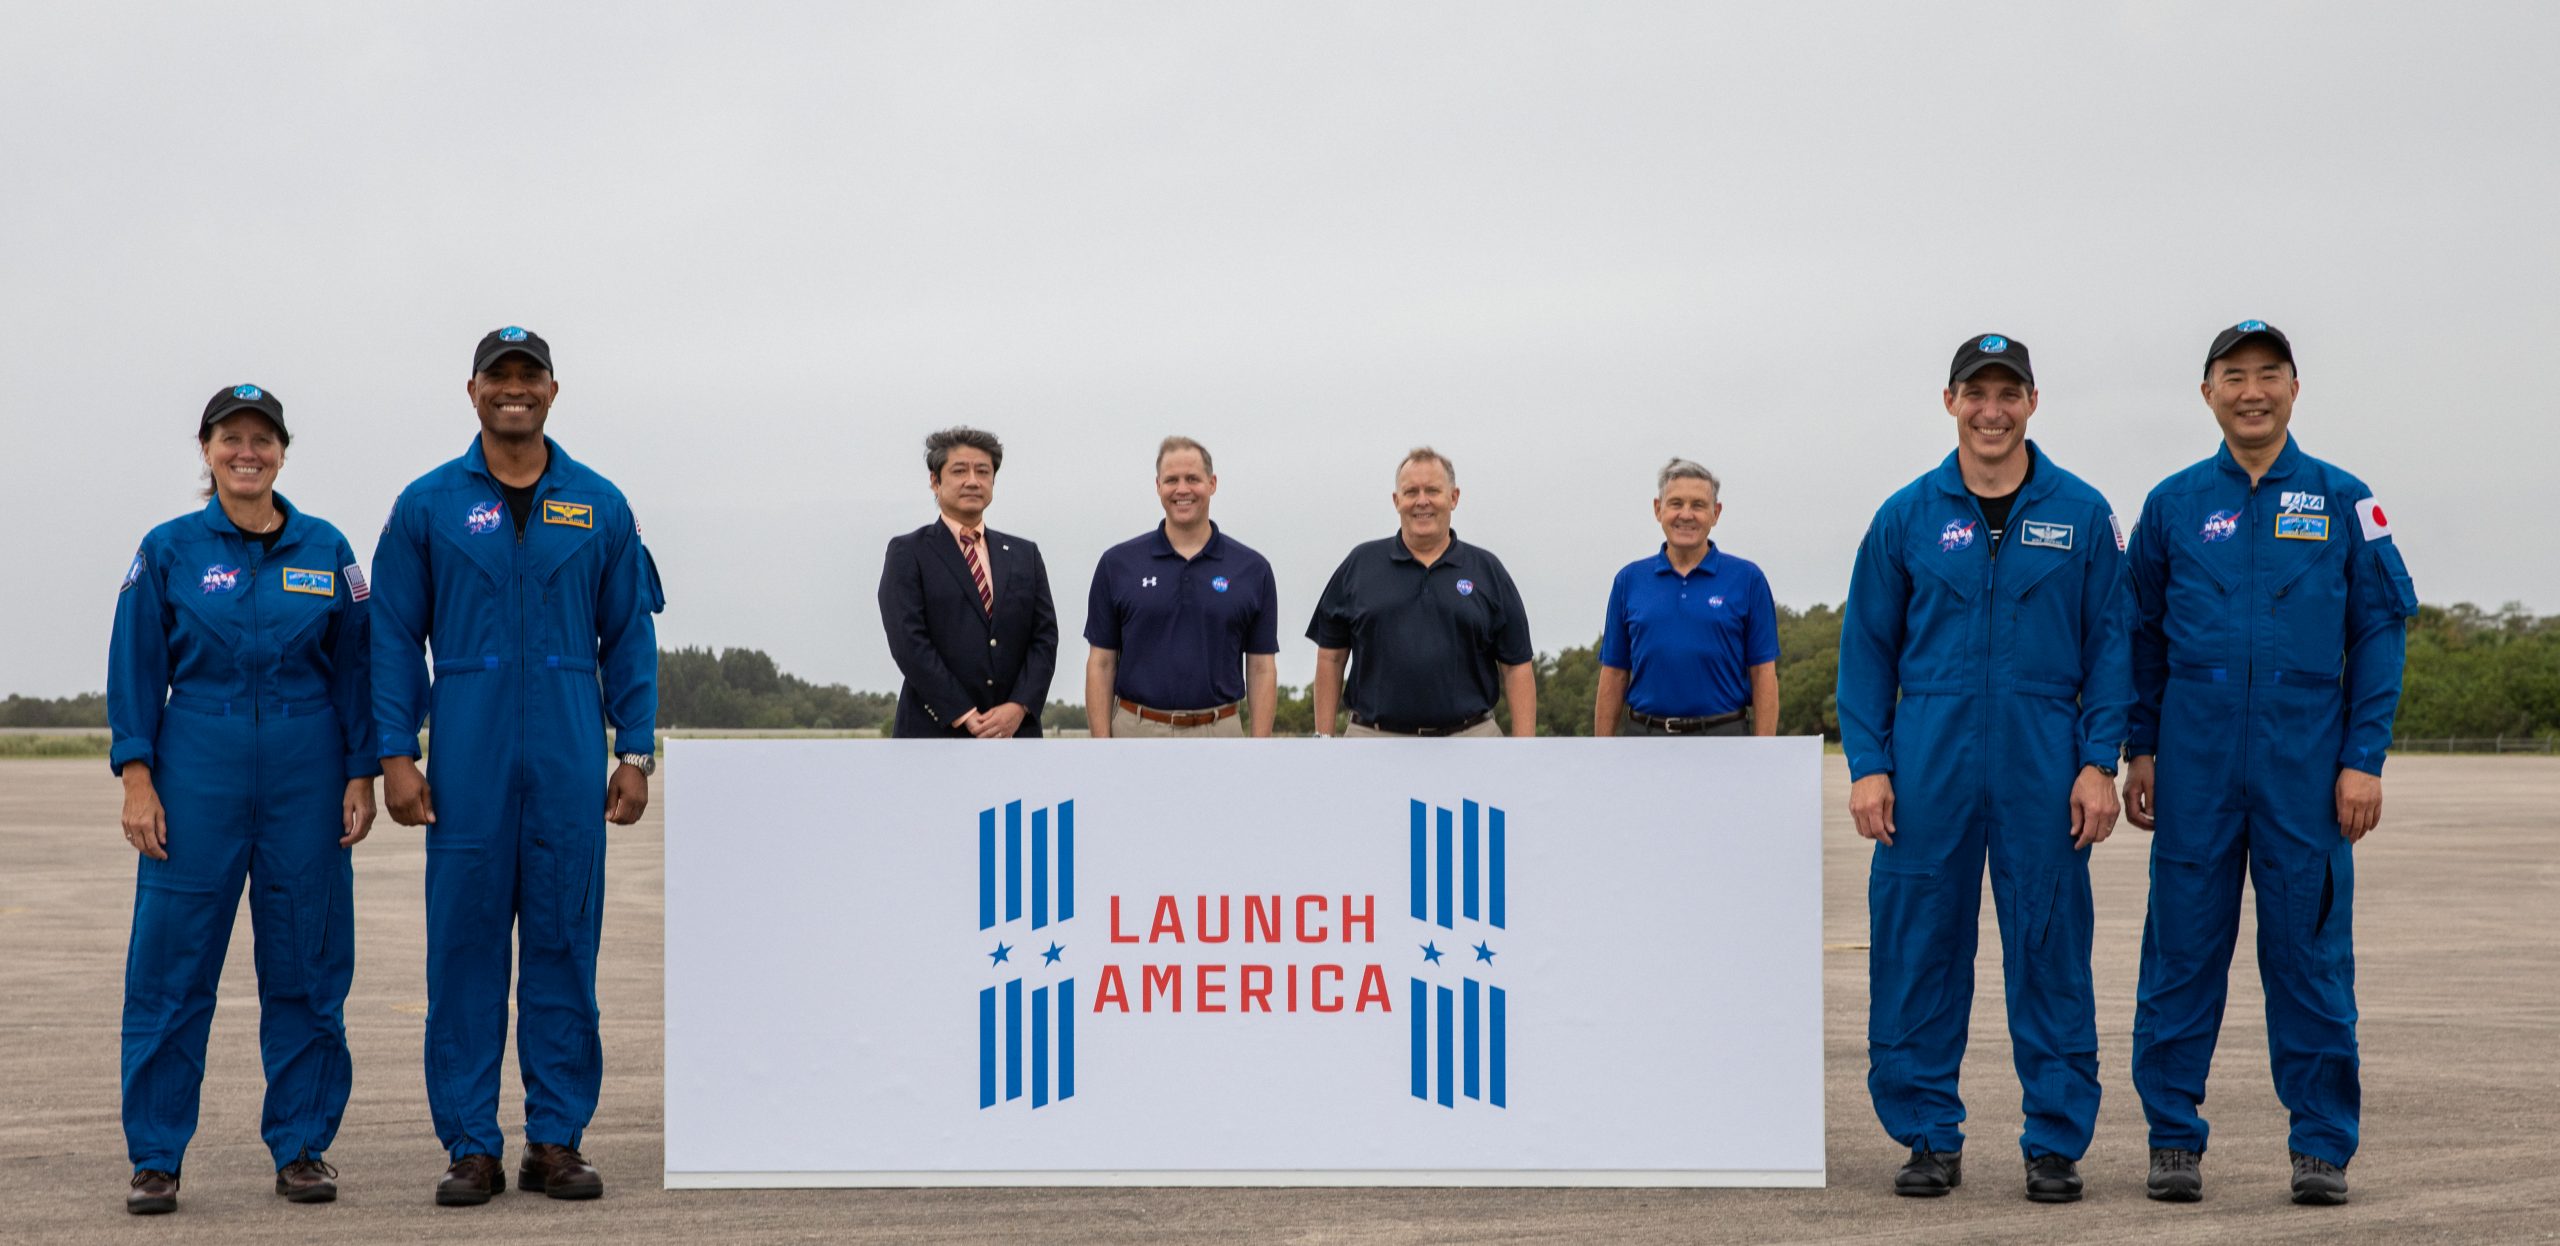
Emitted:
<point x="511" y="340"/>
<point x="2230" y="339"/>
<point x="1990" y="350"/>
<point x="231" y="399"/>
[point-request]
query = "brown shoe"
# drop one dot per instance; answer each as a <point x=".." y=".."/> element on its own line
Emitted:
<point x="473" y="1180"/>
<point x="154" y="1193"/>
<point x="558" y="1171"/>
<point x="308" y="1180"/>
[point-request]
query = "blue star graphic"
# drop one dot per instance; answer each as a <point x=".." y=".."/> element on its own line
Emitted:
<point x="1484" y="953"/>
<point x="1000" y="955"/>
<point x="1050" y="957"/>
<point x="1431" y="953"/>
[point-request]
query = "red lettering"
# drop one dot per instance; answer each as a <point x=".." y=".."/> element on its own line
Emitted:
<point x="1203" y="928"/>
<point x="1169" y="977"/>
<point x="1365" y="917"/>
<point x="1247" y="992"/>
<point x="1207" y="989"/>
<point x="1168" y="918"/>
<point x="1373" y="985"/>
<point x="1315" y="988"/>
<point x="1303" y="936"/>
<point x="1113" y="991"/>
<point x="1293" y="988"/>
<point x="1116" y="936"/>
<point x="1266" y="918"/>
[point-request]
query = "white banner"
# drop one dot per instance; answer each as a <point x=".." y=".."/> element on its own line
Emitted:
<point x="1246" y="962"/>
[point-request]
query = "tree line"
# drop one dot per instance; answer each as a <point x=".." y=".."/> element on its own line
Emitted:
<point x="2472" y="674"/>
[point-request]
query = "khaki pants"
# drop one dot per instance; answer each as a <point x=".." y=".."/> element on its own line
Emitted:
<point x="1128" y="726"/>
<point x="1485" y="728"/>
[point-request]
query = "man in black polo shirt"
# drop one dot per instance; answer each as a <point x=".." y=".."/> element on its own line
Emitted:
<point x="1183" y="620"/>
<point x="1431" y="627"/>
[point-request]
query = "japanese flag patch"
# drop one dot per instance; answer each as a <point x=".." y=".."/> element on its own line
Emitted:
<point x="2377" y="526"/>
<point x="356" y="589"/>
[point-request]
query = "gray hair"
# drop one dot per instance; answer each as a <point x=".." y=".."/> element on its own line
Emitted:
<point x="1686" y="469"/>
<point x="1425" y="454"/>
<point x="938" y="447"/>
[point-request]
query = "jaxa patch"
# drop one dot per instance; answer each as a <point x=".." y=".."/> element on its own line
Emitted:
<point x="1958" y="534"/>
<point x="219" y="579"/>
<point x="133" y="574"/>
<point x="2296" y="501"/>
<point x="316" y="583"/>
<point x="483" y="518"/>
<point x="2045" y="535"/>
<point x="2291" y="527"/>
<point x="356" y="588"/>
<point x="2221" y="526"/>
<point x="568" y="514"/>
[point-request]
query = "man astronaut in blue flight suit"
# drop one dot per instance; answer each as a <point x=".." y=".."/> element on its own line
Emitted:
<point x="524" y="572"/>
<point x="1983" y="690"/>
<point x="2269" y="606"/>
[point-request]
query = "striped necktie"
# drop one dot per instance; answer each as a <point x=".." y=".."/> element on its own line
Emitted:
<point x="977" y="572"/>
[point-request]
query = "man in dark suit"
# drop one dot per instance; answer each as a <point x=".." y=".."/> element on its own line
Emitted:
<point x="967" y="608"/>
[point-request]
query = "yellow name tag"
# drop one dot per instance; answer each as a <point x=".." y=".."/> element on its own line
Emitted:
<point x="571" y="514"/>
<point x="316" y="583"/>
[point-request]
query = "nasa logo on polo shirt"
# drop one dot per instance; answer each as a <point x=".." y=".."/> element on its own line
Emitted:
<point x="1466" y="588"/>
<point x="1716" y="602"/>
<point x="1218" y="584"/>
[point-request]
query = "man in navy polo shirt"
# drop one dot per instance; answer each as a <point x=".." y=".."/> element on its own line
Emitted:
<point x="1691" y="639"/>
<point x="1182" y="620"/>
<point x="1430" y="626"/>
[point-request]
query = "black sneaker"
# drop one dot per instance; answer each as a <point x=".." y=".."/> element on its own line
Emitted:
<point x="2317" y="1182"/>
<point x="1930" y="1173"/>
<point x="2053" y="1179"/>
<point x="2175" y="1177"/>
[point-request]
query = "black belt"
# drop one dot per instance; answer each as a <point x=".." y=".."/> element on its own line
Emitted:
<point x="1685" y="726"/>
<point x="1440" y="729"/>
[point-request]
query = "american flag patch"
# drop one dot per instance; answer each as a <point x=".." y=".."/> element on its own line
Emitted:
<point x="356" y="589"/>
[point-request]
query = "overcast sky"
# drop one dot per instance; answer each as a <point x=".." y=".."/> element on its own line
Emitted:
<point x="773" y="245"/>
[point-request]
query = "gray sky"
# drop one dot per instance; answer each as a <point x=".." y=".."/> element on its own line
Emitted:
<point x="773" y="245"/>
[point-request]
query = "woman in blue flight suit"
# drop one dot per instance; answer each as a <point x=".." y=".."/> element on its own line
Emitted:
<point x="239" y="694"/>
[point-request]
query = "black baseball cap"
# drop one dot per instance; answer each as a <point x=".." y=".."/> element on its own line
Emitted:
<point x="2230" y="339"/>
<point x="510" y="341"/>
<point x="243" y="398"/>
<point x="1987" y="350"/>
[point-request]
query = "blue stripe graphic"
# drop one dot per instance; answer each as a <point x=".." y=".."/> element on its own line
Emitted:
<point x="1421" y="1011"/>
<point x="1012" y="860"/>
<point x="1496" y="914"/>
<point x="1039" y="868"/>
<point x="1499" y="1099"/>
<point x="1471" y="889"/>
<point x="1067" y="1039"/>
<point x="1040" y="1048"/>
<point x="987" y="1047"/>
<point x="1421" y="905"/>
<point x="1066" y="864"/>
<point x="1013" y="1040"/>
<point x="1443" y="866"/>
<point x="1471" y="1040"/>
<point x="1448" y="1041"/>
<point x="986" y="868"/>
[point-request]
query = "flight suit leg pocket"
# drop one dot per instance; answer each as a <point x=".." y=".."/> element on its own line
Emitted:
<point x="560" y="869"/>
<point x="1907" y="953"/>
<point x="290" y="918"/>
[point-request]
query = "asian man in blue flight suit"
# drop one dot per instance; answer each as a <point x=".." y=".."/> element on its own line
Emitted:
<point x="523" y="571"/>
<point x="2268" y="634"/>
<point x="1982" y="698"/>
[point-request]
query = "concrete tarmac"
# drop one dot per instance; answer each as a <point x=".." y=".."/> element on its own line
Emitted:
<point x="2458" y="959"/>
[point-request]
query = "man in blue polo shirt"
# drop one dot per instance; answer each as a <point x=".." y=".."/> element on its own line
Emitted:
<point x="1691" y="639"/>
<point x="1182" y="620"/>
<point x="1431" y="627"/>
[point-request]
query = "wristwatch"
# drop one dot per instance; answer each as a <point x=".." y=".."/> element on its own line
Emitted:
<point x="647" y="764"/>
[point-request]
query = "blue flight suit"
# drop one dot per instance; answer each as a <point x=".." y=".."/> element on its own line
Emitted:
<point x="538" y="639"/>
<point x="242" y="678"/>
<point x="1983" y="685"/>
<point x="2268" y="637"/>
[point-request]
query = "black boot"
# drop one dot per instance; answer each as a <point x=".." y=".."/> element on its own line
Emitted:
<point x="1930" y="1173"/>
<point x="2317" y="1182"/>
<point x="2175" y="1177"/>
<point x="2053" y="1179"/>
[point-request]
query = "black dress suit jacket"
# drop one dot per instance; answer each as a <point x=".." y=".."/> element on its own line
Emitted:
<point x="954" y="656"/>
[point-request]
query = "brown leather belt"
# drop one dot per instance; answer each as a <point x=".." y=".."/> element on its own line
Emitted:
<point x="1179" y="718"/>
<point x="1685" y="726"/>
<point x="1442" y="729"/>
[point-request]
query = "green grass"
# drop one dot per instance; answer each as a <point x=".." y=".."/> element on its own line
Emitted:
<point x="53" y="744"/>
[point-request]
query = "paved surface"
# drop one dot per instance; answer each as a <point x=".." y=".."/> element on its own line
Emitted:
<point x="2458" y="925"/>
